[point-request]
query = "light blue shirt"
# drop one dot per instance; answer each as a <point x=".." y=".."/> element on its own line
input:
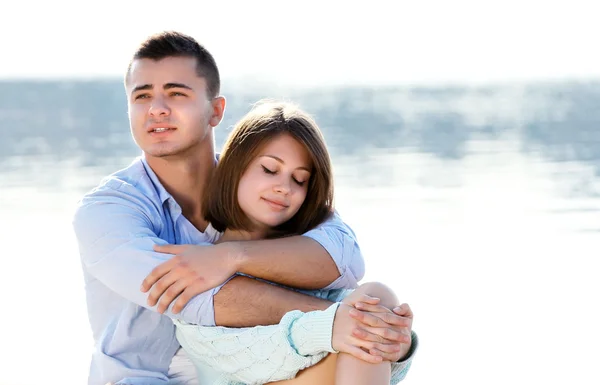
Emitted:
<point x="117" y="224"/>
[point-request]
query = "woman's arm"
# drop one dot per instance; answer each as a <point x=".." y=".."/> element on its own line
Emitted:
<point x="261" y="354"/>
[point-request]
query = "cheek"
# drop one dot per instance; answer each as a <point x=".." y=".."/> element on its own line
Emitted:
<point x="246" y="188"/>
<point x="192" y="113"/>
<point x="241" y="192"/>
<point x="300" y="196"/>
<point x="137" y="116"/>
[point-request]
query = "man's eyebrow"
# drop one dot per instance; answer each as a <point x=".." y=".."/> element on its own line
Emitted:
<point x="143" y="87"/>
<point x="146" y="87"/>
<point x="176" y="85"/>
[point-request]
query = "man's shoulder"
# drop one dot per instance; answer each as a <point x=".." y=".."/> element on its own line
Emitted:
<point x="131" y="183"/>
<point x="129" y="177"/>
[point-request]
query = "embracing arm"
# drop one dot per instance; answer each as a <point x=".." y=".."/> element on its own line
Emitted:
<point x="325" y="257"/>
<point x="245" y="301"/>
<point x="115" y="237"/>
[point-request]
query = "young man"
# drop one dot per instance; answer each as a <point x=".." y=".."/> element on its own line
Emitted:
<point x="172" y="87"/>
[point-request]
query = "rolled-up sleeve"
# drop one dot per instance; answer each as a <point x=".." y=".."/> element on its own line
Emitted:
<point x="340" y="242"/>
<point x="116" y="238"/>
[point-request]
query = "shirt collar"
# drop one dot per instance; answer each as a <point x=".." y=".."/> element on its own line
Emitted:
<point x="163" y="194"/>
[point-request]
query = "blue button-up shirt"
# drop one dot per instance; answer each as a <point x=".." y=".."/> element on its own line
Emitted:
<point x="117" y="224"/>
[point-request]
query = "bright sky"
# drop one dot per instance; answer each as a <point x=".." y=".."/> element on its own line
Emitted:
<point x="313" y="42"/>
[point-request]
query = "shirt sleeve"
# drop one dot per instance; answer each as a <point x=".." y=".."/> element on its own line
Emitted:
<point x="340" y="242"/>
<point x="115" y="236"/>
<point x="261" y="354"/>
<point x="400" y="368"/>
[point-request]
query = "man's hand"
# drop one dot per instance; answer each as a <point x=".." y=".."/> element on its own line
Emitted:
<point x="385" y="327"/>
<point x="193" y="270"/>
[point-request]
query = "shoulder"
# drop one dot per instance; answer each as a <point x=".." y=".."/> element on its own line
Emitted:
<point x="129" y="188"/>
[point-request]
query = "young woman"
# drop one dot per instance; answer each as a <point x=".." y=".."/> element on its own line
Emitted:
<point x="274" y="179"/>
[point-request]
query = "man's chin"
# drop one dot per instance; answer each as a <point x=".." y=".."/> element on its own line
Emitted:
<point x="163" y="151"/>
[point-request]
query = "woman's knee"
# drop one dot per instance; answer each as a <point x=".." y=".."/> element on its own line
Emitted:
<point x="379" y="290"/>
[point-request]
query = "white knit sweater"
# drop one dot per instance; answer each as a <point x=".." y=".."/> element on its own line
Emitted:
<point x="261" y="354"/>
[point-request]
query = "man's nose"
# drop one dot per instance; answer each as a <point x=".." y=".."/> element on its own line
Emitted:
<point x="159" y="108"/>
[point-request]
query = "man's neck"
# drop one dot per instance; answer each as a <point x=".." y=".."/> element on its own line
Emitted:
<point x="185" y="179"/>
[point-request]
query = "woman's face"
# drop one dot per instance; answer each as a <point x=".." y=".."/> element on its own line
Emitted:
<point x="274" y="186"/>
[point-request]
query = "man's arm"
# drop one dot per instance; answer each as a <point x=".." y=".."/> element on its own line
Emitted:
<point x="245" y="302"/>
<point x="116" y="237"/>
<point x="326" y="257"/>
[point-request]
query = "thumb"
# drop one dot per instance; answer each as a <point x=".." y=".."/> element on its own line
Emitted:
<point x="403" y="310"/>
<point x="167" y="249"/>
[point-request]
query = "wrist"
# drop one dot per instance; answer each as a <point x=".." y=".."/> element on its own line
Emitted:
<point x="234" y="253"/>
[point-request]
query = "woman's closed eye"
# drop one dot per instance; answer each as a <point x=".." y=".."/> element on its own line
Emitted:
<point x="270" y="172"/>
<point x="298" y="182"/>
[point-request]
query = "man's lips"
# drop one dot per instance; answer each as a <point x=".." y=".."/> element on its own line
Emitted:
<point x="158" y="128"/>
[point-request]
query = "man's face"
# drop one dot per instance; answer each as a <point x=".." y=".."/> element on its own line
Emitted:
<point x="169" y="112"/>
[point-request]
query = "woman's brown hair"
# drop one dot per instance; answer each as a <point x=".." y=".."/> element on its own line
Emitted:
<point x="266" y="121"/>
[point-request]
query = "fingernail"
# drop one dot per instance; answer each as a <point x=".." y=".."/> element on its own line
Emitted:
<point x="354" y="312"/>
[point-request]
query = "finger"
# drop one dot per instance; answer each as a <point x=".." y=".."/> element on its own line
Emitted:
<point x="158" y="272"/>
<point x="371" y="308"/>
<point x="381" y="346"/>
<point x="168" y="249"/>
<point x="162" y="285"/>
<point x="362" y="355"/>
<point x="392" y="357"/>
<point x="379" y="319"/>
<point x="171" y="294"/>
<point x="390" y="319"/>
<point x="368" y="299"/>
<point x="187" y="294"/>
<point x="404" y="310"/>
<point x="382" y="335"/>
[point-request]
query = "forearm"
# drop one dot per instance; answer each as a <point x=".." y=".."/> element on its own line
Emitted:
<point x="116" y="248"/>
<point x="261" y="354"/>
<point x="244" y="302"/>
<point x="298" y="261"/>
<point x="124" y="270"/>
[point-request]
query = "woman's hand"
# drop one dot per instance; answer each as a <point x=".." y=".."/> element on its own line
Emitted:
<point x="377" y="332"/>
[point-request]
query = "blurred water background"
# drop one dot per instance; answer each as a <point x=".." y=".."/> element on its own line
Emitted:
<point x="478" y="204"/>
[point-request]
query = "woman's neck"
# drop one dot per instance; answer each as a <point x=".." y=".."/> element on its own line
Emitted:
<point x="242" y="235"/>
